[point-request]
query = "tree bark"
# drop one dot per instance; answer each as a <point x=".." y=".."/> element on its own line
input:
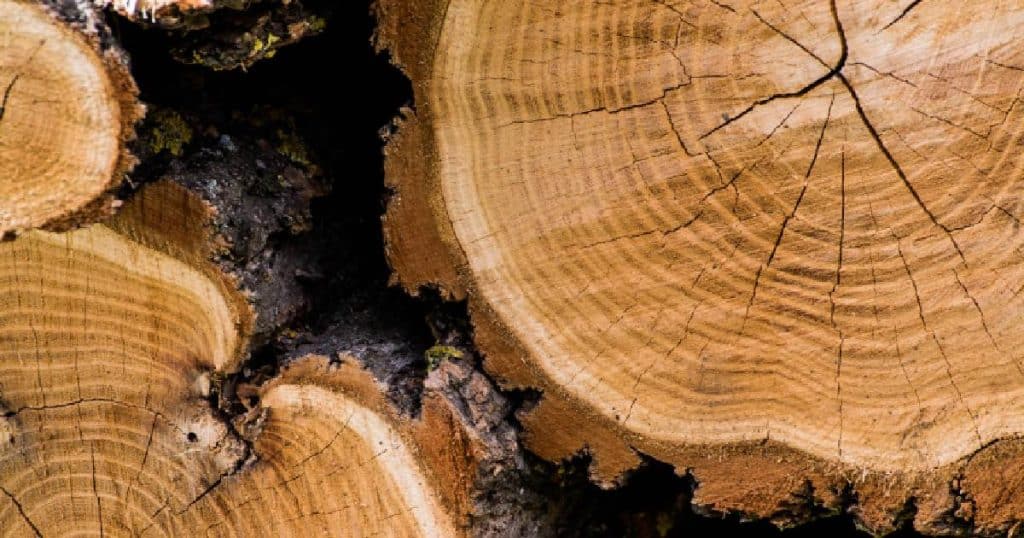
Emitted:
<point x="772" y="245"/>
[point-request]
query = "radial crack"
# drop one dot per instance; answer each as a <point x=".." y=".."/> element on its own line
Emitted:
<point x="895" y="327"/>
<point x="21" y="511"/>
<point x="14" y="80"/>
<point x="209" y="489"/>
<point x="842" y="240"/>
<point x="977" y="307"/>
<point x="837" y="73"/>
<point x="832" y="72"/>
<point x="788" y="217"/>
<point x="606" y="109"/>
<point x="954" y="125"/>
<point x="889" y="74"/>
<point x="902" y="14"/>
<point x="778" y="126"/>
<point x="95" y="490"/>
<point x="935" y="338"/>
<point x="789" y="38"/>
<point x="763" y="101"/>
<point x="839" y="394"/>
<point x="896" y="165"/>
<point x="724" y="6"/>
<point x="675" y="131"/>
<point x="7" y="95"/>
<point x="803" y="189"/>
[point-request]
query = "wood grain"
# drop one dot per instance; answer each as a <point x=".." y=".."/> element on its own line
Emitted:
<point x="112" y="338"/>
<point x="67" y="109"/>
<point x="722" y="232"/>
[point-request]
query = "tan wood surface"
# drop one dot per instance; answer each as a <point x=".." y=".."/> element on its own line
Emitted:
<point x="67" y="109"/>
<point x="770" y="242"/>
<point x="111" y="340"/>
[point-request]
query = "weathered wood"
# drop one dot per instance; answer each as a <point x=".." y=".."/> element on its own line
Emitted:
<point x="771" y="244"/>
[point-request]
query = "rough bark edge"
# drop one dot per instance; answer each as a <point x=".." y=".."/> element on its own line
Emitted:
<point x="83" y="21"/>
<point x="437" y="438"/>
<point x="758" y="479"/>
<point x="419" y="241"/>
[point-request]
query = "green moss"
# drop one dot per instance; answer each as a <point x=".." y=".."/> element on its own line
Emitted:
<point x="170" y="132"/>
<point x="257" y="46"/>
<point x="291" y="145"/>
<point x="261" y="46"/>
<point x="438" y="354"/>
<point x="317" y="24"/>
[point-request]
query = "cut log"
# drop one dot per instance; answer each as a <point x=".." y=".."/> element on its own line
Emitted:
<point x="775" y="245"/>
<point x="67" y="109"/>
<point x="113" y="339"/>
<point x="410" y="477"/>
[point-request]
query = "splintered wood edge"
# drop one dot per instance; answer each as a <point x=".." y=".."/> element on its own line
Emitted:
<point x="87" y="32"/>
<point x="763" y="479"/>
